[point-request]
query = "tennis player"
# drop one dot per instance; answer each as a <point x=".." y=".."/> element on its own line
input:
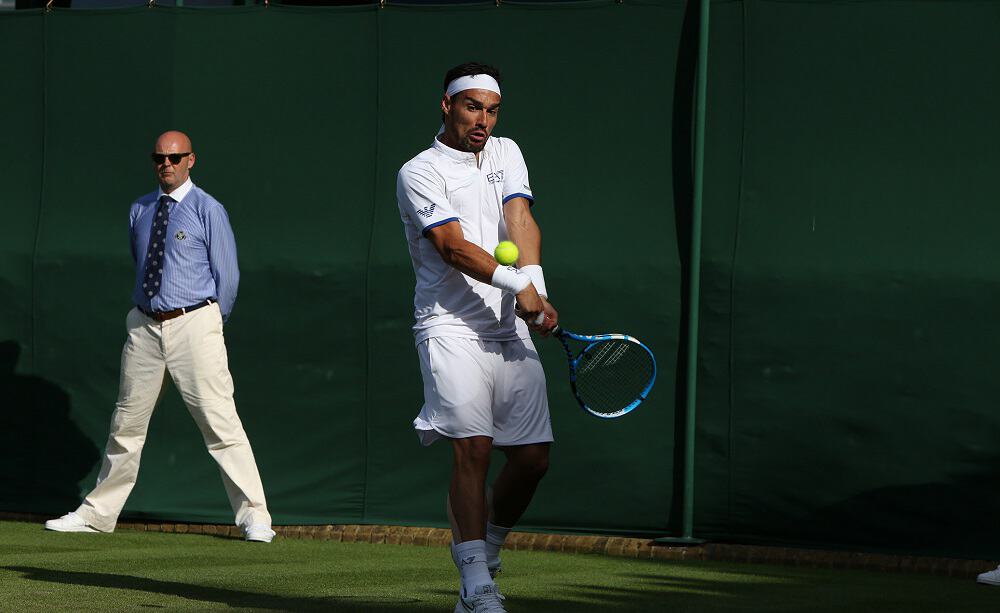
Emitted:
<point x="483" y="382"/>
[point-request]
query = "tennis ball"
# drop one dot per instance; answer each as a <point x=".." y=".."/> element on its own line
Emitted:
<point x="505" y="253"/>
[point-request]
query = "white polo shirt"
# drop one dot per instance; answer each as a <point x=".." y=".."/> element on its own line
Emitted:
<point x="441" y="185"/>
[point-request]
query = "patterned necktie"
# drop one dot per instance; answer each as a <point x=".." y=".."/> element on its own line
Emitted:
<point x="153" y="270"/>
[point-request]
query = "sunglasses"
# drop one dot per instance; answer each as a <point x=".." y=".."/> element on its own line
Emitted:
<point x="175" y="158"/>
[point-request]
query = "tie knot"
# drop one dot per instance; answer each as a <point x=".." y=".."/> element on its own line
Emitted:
<point x="165" y="200"/>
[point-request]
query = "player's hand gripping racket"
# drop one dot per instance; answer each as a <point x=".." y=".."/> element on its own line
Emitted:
<point x="611" y="375"/>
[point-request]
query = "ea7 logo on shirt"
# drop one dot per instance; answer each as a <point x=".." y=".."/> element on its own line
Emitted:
<point x="495" y="177"/>
<point x="180" y="235"/>
<point x="427" y="211"/>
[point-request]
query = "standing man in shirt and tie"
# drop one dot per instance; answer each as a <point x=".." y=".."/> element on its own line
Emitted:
<point x="186" y="280"/>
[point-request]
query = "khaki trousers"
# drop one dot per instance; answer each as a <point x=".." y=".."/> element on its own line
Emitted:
<point x="192" y="350"/>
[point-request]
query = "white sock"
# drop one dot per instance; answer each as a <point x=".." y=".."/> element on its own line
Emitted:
<point x="495" y="537"/>
<point x="471" y="557"/>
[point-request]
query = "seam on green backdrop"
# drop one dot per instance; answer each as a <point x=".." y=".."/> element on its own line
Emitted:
<point x="368" y="263"/>
<point x="732" y="267"/>
<point x="41" y="199"/>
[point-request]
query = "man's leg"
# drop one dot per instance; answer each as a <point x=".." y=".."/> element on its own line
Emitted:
<point x="199" y="365"/>
<point x="467" y="510"/>
<point x="141" y="386"/>
<point x="512" y="492"/>
<point x="521" y="414"/>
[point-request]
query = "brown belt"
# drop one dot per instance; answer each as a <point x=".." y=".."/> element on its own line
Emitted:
<point x="165" y="315"/>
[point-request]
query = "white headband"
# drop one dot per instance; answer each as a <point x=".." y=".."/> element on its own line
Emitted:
<point x="475" y="81"/>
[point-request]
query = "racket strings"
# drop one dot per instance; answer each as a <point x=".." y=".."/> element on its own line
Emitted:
<point x="613" y="374"/>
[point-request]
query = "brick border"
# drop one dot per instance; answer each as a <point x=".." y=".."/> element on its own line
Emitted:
<point x="603" y="545"/>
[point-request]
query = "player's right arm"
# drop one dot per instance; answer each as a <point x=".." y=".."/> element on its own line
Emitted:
<point x="472" y="260"/>
<point x="422" y="198"/>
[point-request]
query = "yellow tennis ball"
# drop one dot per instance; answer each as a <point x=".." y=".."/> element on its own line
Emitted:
<point x="506" y="253"/>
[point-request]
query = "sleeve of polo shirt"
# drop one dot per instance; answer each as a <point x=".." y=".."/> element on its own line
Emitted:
<point x="515" y="174"/>
<point x="422" y="198"/>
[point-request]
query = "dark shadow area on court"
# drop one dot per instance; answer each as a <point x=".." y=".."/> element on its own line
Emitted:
<point x="208" y="594"/>
<point x="43" y="454"/>
<point x="768" y="591"/>
<point x="647" y="589"/>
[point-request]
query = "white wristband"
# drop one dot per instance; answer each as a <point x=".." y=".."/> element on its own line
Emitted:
<point x="510" y="279"/>
<point x="534" y="271"/>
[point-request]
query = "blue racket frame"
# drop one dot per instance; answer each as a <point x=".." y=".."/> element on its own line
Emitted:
<point x="592" y="341"/>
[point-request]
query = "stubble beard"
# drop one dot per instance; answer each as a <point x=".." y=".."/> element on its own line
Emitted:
<point x="468" y="147"/>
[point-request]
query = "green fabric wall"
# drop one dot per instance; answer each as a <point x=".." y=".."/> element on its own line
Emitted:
<point x="301" y="118"/>
<point x="846" y="389"/>
<point x="848" y="393"/>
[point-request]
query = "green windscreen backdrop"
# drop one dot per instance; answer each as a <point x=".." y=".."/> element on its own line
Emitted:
<point x="846" y="395"/>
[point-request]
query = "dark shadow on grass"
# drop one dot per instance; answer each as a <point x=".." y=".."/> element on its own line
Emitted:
<point x="203" y="593"/>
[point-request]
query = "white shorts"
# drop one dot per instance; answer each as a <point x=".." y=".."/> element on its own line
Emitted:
<point x="482" y="388"/>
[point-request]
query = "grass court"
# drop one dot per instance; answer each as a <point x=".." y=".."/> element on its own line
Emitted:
<point x="143" y="571"/>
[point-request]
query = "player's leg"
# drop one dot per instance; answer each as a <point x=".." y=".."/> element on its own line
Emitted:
<point x="199" y="365"/>
<point x="521" y="416"/>
<point x="516" y="484"/>
<point x="467" y="490"/>
<point x="458" y="397"/>
<point x="141" y="384"/>
<point x="512" y="493"/>
<point x="467" y="502"/>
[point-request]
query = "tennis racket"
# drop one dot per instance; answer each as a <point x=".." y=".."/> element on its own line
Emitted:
<point x="611" y="375"/>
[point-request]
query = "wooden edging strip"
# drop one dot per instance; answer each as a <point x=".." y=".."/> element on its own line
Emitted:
<point x="604" y="545"/>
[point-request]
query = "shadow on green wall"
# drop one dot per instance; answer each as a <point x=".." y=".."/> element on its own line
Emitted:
<point x="43" y="454"/>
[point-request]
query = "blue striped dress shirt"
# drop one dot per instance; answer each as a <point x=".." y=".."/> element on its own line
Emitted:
<point x="200" y="254"/>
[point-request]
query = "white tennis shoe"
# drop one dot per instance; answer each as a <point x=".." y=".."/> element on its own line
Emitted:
<point x="259" y="533"/>
<point x="990" y="578"/>
<point x="487" y="599"/>
<point x="70" y="522"/>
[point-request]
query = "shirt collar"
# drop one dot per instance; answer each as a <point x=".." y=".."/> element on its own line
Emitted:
<point x="179" y="193"/>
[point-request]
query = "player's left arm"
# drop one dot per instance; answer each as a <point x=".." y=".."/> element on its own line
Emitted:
<point x="524" y="231"/>
<point x="222" y="258"/>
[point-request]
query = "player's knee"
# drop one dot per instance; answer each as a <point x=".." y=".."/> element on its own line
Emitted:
<point x="534" y="464"/>
<point x="539" y="467"/>
<point x="474" y="451"/>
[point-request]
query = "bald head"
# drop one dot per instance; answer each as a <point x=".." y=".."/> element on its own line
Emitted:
<point x="172" y="173"/>
<point x="173" y="138"/>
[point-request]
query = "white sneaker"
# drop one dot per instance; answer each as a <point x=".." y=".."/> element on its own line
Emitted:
<point x="990" y="578"/>
<point x="70" y="522"/>
<point x="487" y="599"/>
<point x="259" y="533"/>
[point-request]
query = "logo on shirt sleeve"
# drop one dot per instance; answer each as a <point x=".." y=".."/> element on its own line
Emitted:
<point x="495" y="177"/>
<point x="427" y="211"/>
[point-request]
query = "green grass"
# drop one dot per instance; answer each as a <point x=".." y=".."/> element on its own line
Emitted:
<point x="136" y="571"/>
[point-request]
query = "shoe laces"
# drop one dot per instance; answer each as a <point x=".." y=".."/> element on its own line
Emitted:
<point x="488" y="602"/>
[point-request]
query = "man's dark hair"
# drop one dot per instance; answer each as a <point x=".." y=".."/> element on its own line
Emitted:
<point x="466" y="69"/>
